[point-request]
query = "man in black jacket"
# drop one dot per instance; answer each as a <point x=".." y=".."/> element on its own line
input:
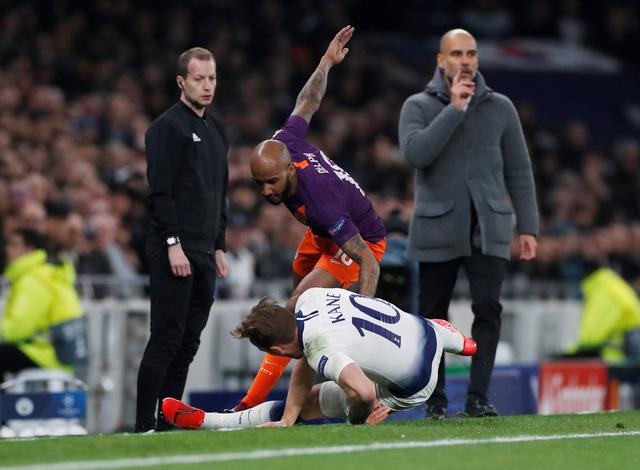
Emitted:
<point x="187" y="171"/>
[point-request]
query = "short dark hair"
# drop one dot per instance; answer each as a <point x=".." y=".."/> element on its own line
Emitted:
<point x="33" y="238"/>
<point x="267" y="324"/>
<point x="199" y="53"/>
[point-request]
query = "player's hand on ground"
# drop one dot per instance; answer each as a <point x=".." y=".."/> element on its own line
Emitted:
<point x="379" y="414"/>
<point x="337" y="51"/>
<point x="180" y="266"/>
<point x="275" y="424"/>
<point x="462" y="89"/>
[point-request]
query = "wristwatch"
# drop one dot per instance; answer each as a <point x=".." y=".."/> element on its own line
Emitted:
<point x="173" y="241"/>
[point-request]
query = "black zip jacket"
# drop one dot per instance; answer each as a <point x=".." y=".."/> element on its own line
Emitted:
<point x="188" y="175"/>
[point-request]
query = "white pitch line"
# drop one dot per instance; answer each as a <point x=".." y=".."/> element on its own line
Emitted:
<point x="296" y="452"/>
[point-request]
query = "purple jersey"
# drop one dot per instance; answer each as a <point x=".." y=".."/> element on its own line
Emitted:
<point x="327" y="199"/>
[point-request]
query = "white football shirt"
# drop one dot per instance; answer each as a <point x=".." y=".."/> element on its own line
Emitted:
<point x="393" y="348"/>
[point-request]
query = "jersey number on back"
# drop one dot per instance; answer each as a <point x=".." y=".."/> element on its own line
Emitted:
<point x="361" y="324"/>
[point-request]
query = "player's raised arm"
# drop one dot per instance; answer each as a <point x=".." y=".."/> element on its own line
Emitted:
<point x="313" y="91"/>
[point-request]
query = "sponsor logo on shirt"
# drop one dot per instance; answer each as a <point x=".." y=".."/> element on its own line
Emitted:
<point x="322" y="363"/>
<point x="337" y="227"/>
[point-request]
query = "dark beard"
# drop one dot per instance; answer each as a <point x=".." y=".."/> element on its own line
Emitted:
<point x="287" y="189"/>
<point x="285" y="193"/>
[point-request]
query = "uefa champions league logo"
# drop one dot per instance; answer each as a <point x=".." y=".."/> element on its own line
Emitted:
<point x="68" y="401"/>
<point x="24" y="406"/>
<point x="69" y="406"/>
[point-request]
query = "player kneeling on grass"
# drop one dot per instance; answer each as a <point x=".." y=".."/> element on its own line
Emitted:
<point x="377" y="357"/>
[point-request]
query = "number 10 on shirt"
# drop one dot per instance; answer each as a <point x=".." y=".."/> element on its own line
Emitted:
<point x="362" y="324"/>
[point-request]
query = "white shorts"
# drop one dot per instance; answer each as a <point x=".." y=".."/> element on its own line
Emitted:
<point x="333" y="400"/>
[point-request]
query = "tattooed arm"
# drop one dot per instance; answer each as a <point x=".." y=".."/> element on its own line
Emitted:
<point x="360" y="252"/>
<point x="312" y="93"/>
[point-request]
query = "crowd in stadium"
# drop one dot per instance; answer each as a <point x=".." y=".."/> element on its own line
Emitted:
<point x="80" y="86"/>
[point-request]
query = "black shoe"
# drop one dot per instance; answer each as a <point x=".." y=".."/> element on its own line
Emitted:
<point x="162" y="425"/>
<point x="477" y="408"/>
<point x="436" y="412"/>
<point x="144" y="426"/>
<point x="143" y="429"/>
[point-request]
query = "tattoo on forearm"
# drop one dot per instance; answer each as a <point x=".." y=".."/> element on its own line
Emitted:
<point x="353" y="248"/>
<point x="313" y="91"/>
<point x="359" y="251"/>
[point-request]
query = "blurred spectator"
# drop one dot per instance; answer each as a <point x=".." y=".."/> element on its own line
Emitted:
<point x="106" y="256"/>
<point x="33" y="216"/>
<point x="626" y="179"/>
<point x="81" y="83"/>
<point x="241" y="261"/>
<point x="611" y="312"/>
<point x="571" y="26"/>
<point x="398" y="275"/>
<point x="276" y="247"/>
<point x="575" y="144"/>
<point x="244" y="200"/>
<point x="40" y="322"/>
<point x="620" y="31"/>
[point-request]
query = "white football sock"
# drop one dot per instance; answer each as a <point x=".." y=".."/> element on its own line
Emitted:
<point x="452" y="341"/>
<point x="250" y="418"/>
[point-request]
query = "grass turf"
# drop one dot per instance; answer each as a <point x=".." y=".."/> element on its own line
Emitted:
<point x="591" y="453"/>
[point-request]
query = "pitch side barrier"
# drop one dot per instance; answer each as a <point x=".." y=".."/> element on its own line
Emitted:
<point x="118" y="330"/>
<point x="533" y="330"/>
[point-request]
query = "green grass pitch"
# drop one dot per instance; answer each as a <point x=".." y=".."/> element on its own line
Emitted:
<point x="572" y="442"/>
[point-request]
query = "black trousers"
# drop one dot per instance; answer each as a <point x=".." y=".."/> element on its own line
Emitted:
<point x="179" y="311"/>
<point x="485" y="274"/>
<point x="13" y="360"/>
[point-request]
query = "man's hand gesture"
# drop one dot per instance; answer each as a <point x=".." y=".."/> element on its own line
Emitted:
<point x="337" y="51"/>
<point x="462" y="89"/>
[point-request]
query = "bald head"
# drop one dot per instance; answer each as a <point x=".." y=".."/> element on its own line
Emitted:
<point x="458" y="55"/>
<point x="272" y="170"/>
<point x="269" y="154"/>
<point x="449" y="36"/>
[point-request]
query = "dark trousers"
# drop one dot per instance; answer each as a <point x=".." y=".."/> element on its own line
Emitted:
<point x="13" y="360"/>
<point x="179" y="311"/>
<point x="485" y="274"/>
